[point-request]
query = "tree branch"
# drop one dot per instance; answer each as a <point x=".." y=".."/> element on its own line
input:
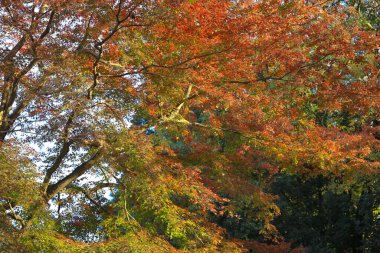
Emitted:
<point x="77" y="172"/>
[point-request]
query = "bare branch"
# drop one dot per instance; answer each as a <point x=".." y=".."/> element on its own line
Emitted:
<point x="77" y="172"/>
<point x="62" y="154"/>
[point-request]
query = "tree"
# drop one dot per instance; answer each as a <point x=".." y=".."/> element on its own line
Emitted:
<point x="146" y="121"/>
<point x="332" y="216"/>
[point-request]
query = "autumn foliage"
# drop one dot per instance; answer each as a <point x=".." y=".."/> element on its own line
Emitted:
<point x="189" y="126"/>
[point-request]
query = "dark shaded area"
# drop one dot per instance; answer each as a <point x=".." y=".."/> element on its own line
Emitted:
<point x="325" y="215"/>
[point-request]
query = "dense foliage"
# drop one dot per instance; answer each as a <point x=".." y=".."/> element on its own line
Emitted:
<point x="189" y="126"/>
